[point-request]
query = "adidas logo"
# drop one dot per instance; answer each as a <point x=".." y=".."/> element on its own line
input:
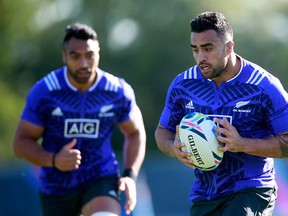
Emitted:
<point x="57" y="112"/>
<point x="190" y="105"/>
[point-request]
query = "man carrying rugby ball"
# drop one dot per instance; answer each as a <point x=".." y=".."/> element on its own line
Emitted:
<point x="250" y="107"/>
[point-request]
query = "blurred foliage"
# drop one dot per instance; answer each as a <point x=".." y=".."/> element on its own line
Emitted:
<point x="145" y="42"/>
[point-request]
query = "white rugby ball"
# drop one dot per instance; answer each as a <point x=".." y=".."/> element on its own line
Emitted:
<point x="197" y="132"/>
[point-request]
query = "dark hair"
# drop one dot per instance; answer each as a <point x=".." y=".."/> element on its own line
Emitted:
<point x="79" y="31"/>
<point x="212" y="21"/>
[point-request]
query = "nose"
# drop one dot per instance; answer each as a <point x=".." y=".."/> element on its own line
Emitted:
<point x="84" y="63"/>
<point x="201" y="56"/>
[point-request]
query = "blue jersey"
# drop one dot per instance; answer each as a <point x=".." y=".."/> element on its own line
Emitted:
<point x="254" y="102"/>
<point x="66" y="113"/>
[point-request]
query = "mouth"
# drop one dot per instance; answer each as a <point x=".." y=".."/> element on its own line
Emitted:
<point x="205" y="68"/>
<point x="83" y="73"/>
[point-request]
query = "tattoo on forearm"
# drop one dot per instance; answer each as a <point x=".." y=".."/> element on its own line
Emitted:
<point x="283" y="142"/>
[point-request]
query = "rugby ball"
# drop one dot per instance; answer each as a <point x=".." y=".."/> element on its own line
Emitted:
<point x="197" y="132"/>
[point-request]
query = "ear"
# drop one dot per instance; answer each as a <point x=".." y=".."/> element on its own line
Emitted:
<point x="63" y="57"/>
<point x="230" y="45"/>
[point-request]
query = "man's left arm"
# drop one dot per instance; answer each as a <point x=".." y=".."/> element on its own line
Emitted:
<point x="133" y="155"/>
<point x="274" y="146"/>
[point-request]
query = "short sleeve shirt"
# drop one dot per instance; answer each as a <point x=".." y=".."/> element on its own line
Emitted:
<point x="254" y="102"/>
<point x="65" y="113"/>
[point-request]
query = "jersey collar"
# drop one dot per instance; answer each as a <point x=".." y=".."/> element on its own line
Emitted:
<point x="98" y="78"/>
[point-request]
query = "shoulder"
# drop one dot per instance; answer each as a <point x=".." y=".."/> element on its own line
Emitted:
<point x="257" y="75"/>
<point x="112" y="83"/>
<point x="190" y="75"/>
<point x="53" y="81"/>
<point x="109" y="82"/>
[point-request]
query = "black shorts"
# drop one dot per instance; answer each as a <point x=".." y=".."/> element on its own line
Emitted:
<point x="246" y="202"/>
<point x="72" y="203"/>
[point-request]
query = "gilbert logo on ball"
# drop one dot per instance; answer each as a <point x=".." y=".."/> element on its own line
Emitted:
<point x="197" y="132"/>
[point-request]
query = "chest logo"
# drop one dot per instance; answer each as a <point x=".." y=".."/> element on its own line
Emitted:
<point x="189" y="105"/>
<point x="240" y="104"/>
<point x="88" y="128"/>
<point x="57" y="112"/>
<point x="106" y="111"/>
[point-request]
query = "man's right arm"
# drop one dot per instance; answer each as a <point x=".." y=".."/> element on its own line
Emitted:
<point x="165" y="140"/>
<point x="169" y="143"/>
<point x="26" y="147"/>
<point x="25" y="144"/>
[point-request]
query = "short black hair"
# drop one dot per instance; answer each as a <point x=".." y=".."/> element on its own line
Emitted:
<point x="79" y="31"/>
<point x="212" y="21"/>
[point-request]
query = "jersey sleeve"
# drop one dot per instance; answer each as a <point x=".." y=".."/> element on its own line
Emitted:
<point x="130" y="101"/>
<point x="279" y="98"/>
<point x="167" y="118"/>
<point x="33" y="108"/>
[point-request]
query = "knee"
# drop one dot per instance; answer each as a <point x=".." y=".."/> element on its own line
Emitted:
<point x="104" y="213"/>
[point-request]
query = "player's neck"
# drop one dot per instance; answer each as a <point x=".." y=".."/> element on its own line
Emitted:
<point x="83" y="87"/>
<point x="231" y="70"/>
<point x="236" y="65"/>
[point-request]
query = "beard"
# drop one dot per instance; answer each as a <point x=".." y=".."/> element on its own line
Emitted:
<point x="209" y="72"/>
<point x="81" y="76"/>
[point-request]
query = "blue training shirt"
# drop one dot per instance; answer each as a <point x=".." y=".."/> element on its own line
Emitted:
<point x="254" y="102"/>
<point x="66" y="113"/>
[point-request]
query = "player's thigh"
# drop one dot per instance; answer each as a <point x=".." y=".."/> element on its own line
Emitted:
<point x="208" y="208"/>
<point x="101" y="204"/>
<point x="59" y="205"/>
<point x="102" y="195"/>
<point x="251" y="202"/>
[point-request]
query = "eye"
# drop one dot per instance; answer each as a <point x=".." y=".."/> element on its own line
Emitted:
<point x="74" y="56"/>
<point x="195" y="50"/>
<point x="90" y="55"/>
<point x="208" y="49"/>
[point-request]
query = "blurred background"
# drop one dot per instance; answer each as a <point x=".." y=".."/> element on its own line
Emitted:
<point x="144" y="41"/>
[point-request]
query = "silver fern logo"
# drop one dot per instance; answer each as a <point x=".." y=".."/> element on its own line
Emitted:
<point x="106" y="111"/>
<point x="241" y="104"/>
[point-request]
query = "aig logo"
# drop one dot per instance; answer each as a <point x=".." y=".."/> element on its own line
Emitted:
<point x="87" y="128"/>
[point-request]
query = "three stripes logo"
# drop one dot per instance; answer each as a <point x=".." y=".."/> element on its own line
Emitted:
<point x="190" y="105"/>
<point x="57" y="112"/>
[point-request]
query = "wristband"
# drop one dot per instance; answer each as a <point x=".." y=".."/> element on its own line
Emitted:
<point x="53" y="160"/>
<point x="129" y="173"/>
